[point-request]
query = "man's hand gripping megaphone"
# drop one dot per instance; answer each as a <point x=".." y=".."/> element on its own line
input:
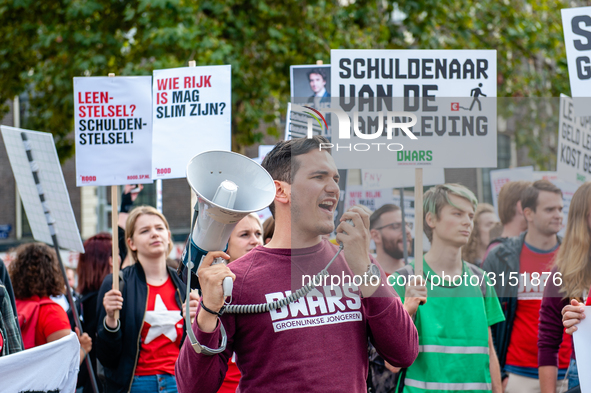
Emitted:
<point x="353" y="234"/>
<point x="211" y="278"/>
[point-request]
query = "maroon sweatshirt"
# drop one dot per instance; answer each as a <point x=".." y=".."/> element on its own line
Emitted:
<point x="316" y="344"/>
<point x="550" y="329"/>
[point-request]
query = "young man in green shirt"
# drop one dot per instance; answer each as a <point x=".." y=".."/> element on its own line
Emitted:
<point x="456" y="351"/>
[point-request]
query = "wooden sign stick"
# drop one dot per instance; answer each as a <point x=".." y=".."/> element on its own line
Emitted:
<point x="418" y="221"/>
<point x="115" y="235"/>
<point x="192" y="63"/>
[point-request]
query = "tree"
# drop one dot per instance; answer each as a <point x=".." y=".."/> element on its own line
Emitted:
<point x="46" y="44"/>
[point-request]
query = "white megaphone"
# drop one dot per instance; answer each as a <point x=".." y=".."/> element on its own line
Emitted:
<point x="229" y="186"/>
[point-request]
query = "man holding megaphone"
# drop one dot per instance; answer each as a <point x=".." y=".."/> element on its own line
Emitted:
<point x="316" y="342"/>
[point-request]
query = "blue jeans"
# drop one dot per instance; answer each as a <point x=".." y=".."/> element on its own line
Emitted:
<point x="573" y="374"/>
<point x="161" y="383"/>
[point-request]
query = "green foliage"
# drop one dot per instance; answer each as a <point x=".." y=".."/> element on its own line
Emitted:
<point x="531" y="58"/>
<point x="44" y="44"/>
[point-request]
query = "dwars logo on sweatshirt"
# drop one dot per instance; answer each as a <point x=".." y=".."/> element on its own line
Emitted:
<point x="331" y="306"/>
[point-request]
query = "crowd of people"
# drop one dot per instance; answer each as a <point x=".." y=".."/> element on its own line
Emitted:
<point x="403" y="328"/>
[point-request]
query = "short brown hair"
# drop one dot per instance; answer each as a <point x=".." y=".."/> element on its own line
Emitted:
<point x="374" y="219"/>
<point x="130" y="226"/>
<point x="529" y="197"/>
<point x="36" y="272"/>
<point x="278" y="162"/>
<point x="509" y="195"/>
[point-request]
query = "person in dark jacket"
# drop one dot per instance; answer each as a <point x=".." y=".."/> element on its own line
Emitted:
<point x="139" y="350"/>
<point x="519" y="266"/>
<point x="10" y="334"/>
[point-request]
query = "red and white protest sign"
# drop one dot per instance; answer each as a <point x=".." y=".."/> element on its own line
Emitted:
<point x="192" y="114"/>
<point x="113" y="126"/>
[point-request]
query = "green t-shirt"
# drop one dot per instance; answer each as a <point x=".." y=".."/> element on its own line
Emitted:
<point x="453" y="334"/>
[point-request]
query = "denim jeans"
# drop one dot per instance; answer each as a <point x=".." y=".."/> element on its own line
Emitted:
<point x="573" y="374"/>
<point x="161" y="383"/>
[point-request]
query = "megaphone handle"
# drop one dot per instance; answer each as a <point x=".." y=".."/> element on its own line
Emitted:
<point x="350" y="222"/>
<point x="228" y="283"/>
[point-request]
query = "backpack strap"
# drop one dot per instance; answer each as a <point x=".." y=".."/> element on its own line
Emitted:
<point x="28" y="315"/>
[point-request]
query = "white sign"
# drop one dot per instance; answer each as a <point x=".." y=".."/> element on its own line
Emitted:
<point x="264" y="215"/>
<point x="51" y="182"/>
<point x="576" y="23"/>
<point x="373" y="179"/>
<point x="547" y="175"/>
<point x="374" y="199"/>
<point x="582" y="343"/>
<point x="450" y="108"/>
<point x="192" y="114"/>
<point x="52" y="367"/>
<point x="298" y="120"/>
<point x="263" y="150"/>
<point x="499" y="177"/>
<point x="113" y="126"/>
<point x="574" y="144"/>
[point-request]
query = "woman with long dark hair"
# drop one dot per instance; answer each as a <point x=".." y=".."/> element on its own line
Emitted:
<point x="93" y="266"/>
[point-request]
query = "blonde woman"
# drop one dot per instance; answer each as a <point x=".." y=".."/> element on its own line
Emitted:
<point x="484" y="219"/>
<point x="570" y="279"/>
<point x="139" y="349"/>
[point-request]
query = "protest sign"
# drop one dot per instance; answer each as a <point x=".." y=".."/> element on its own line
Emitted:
<point x="373" y="179"/>
<point x="499" y="177"/>
<point x="310" y="84"/>
<point x="547" y="175"/>
<point x="113" y="130"/>
<point x="192" y="110"/>
<point x="449" y="108"/>
<point x="582" y="343"/>
<point x="299" y="124"/>
<point x="374" y="199"/>
<point x="576" y="23"/>
<point x="574" y="144"/>
<point x="263" y="150"/>
<point x="48" y="368"/>
<point x="51" y="181"/>
<point x="264" y="214"/>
